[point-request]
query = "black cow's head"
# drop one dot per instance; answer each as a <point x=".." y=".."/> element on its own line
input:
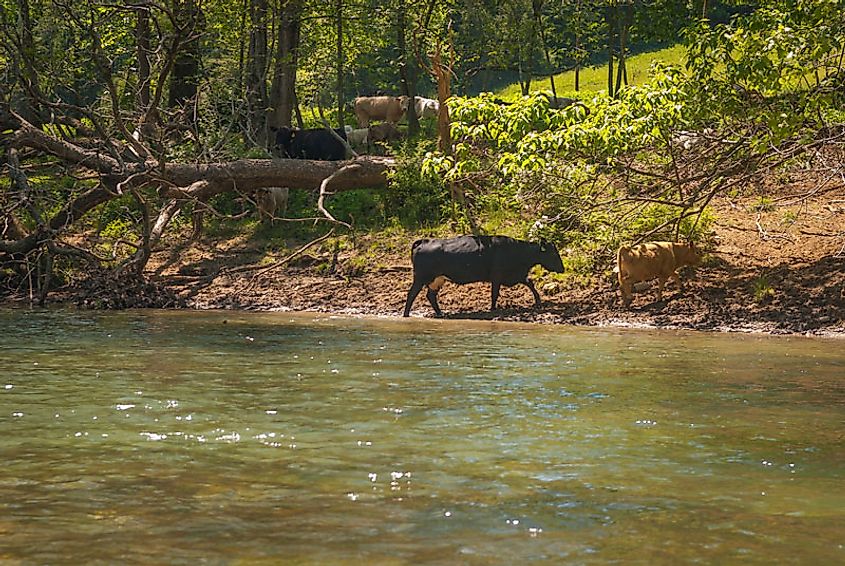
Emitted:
<point x="549" y="257"/>
<point x="282" y="143"/>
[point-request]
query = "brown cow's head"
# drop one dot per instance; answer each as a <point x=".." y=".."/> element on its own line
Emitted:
<point x="403" y="102"/>
<point x="687" y="254"/>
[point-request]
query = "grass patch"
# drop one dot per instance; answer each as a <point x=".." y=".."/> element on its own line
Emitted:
<point x="762" y="289"/>
<point x="594" y="79"/>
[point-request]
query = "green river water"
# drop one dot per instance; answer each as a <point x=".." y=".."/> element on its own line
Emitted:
<point x="241" y="438"/>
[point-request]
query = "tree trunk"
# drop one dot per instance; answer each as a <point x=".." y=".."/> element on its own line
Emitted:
<point x="28" y="106"/>
<point x="537" y="6"/>
<point x="578" y="46"/>
<point x="298" y="111"/>
<point x="181" y="181"/>
<point x="577" y="76"/>
<point x="283" y="89"/>
<point x="186" y="70"/>
<point x="624" y="23"/>
<point x="443" y="75"/>
<point x="146" y="106"/>
<point x="142" y="42"/>
<point x="249" y="174"/>
<point x="339" y="54"/>
<point x="242" y="46"/>
<point x="407" y="72"/>
<point x="524" y="85"/>
<point x="610" y="16"/>
<point x="256" y="64"/>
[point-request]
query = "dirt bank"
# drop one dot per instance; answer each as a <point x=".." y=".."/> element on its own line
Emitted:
<point x="778" y="266"/>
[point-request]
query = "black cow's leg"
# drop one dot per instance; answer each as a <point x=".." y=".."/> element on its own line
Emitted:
<point x="415" y="289"/>
<point x="530" y="285"/>
<point x="431" y="295"/>
<point x="494" y="295"/>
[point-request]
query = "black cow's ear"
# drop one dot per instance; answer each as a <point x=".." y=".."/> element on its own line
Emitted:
<point x="543" y="245"/>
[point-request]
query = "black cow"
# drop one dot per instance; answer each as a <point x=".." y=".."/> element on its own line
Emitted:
<point x="314" y="143"/>
<point x="469" y="259"/>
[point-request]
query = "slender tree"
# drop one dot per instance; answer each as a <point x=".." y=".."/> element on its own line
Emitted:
<point x="283" y="88"/>
<point x="256" y="79"/>
<point x="339" y="60"/>
<point x="624" y="16"/>
<point x="610" y="14"/>
<point x="185" y="79"/>
<point x="537" y="8"/>
<point x="407" y="69"/>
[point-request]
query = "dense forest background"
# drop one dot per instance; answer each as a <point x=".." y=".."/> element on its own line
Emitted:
<point x="118" y="120"/>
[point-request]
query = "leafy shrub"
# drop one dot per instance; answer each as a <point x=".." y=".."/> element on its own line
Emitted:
<point x="762" y="289"/>
<point x="413" y="199"/>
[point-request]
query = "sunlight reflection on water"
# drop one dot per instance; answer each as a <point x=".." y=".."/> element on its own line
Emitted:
<point x="316" y="439"/>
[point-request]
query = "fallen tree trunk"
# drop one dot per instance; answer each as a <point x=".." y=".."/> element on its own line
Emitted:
<point x="246" y="175"/>
<point x="176" y="183"/>
<point x="243" y="174"/>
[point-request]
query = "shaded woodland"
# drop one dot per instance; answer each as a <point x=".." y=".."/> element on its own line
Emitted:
<point x="164" y="106"/>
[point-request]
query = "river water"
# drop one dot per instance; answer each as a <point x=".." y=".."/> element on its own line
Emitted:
<point x="186" y="437"/>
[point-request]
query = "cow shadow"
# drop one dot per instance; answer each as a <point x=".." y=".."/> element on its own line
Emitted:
<point x="508" y="313"/>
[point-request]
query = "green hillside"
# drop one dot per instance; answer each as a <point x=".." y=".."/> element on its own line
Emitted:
<point x="594" y="79"/>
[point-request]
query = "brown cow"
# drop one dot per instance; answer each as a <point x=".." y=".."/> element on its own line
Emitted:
<point x="653" y="259"/>
<point x="386" y="132"/>
<point x="387" y="108"/>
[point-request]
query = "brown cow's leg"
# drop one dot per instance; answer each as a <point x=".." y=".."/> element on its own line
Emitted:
<point x="678" y="281"/>
<point x="362" y="118"/>
<point x="660" y="283"/>
<point x="626" y="289"/>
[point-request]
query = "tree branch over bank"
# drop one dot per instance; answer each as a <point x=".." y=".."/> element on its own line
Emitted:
<point x="175" y="183"/>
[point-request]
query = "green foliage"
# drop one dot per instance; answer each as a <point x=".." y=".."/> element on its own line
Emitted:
<point x="762" y="290"/>
<point x="769" y="70"/>
<point x="527" y="135"/>
<point x="790" y="217"/>
<point x="764" y="204"/>
<point x="589" y="177"/>
<point x="414" y="199"/>
<point x="118" y="211"/>
<point x="545" y="172"/>
<point x="698" y="228"/>
<point x="114" y="236"/>
<point x="117" y="229"/>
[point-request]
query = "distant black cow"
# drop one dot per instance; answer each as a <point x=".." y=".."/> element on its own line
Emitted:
<point x="314" y="143"/>
<point x="469" y="259"/>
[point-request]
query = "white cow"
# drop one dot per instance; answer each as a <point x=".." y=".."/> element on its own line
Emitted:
<point x="426" y="107"/>
<point x="358" y="139"/>
<point x="271" y="200"/>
